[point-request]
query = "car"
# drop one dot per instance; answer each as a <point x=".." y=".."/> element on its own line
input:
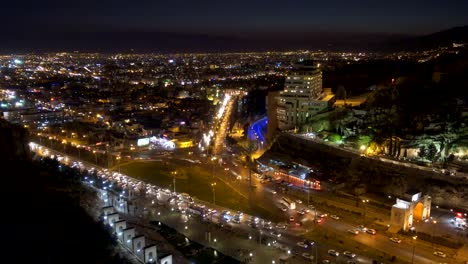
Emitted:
<point x="281" y="225"/>
<point x="302" y="244"/>
<point x="298" y="201"/>
<point x="309" y="242"/>
<point x="349" y="254"/>
<point x="333" y="252"/>
<point x="291" y="219"/>
<point x="371" y="231"/>
<point x="323" y="215"/>
<point x="252" y="225"/>
<point x="284" y="208"/>
<point x="301" y="212"/>
<point x="273" y="192"/>
<point x="268" y="226"/>
<point x="298" y="223"/>
<point x="335" y="217"/>
<point x="440" y="254"/>
<point x="362" y="228"/>
<point x="395" y="240"/>
<point x="276" y="234"/>
<point x="353" y="231"/>
<point x="325" y="261"/>
<point x="307" y="256"/>
<point x="283" y="247"/>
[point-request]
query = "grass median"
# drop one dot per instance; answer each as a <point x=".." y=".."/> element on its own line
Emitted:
<point x="194" y="181"/>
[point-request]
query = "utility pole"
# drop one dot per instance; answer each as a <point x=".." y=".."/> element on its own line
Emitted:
<point x="249" y="159"/>
<point x="174" y="173"/>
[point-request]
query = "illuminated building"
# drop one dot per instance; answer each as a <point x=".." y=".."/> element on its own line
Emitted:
<point x="405" y="212"/>
<point x="301" y="98"/>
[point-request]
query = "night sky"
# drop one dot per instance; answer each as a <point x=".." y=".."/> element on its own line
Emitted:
<point x="412" y="17"/>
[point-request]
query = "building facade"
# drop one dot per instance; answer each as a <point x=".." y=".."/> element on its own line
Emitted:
<point x="301" y="98"/>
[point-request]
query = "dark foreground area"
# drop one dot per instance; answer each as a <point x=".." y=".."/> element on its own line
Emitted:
<point x="42" y="223"/>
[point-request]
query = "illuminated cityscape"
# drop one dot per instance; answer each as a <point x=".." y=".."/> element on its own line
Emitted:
<point x="342" y="153"/>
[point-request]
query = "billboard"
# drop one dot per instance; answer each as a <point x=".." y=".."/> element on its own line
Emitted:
<point x="143" y="142"/>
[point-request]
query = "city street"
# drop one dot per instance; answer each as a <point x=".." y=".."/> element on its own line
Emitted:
<point x="292" y="235"/>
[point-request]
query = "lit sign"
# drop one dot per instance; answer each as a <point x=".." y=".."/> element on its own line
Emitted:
<point x="143" y="142"/>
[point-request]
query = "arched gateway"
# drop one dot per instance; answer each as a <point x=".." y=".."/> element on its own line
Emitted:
<point x="404" y="212"/>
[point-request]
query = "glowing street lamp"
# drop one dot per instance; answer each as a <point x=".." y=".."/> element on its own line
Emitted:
<point x="364" y="201"/>
<point x="95" y="156"/>
<point x="414" y="246"/>
<point x="214" y="193"/>
<point x="174" y="173"/>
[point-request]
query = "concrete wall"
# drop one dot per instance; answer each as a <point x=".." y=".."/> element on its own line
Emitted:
<point x="128" y="235"/>
<point x="151" y="254"/>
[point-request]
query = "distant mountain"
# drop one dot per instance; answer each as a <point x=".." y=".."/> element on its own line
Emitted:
<point x="439" y="39"/>
<point x="447" y="37"/>
<point x="42" y="40"/>
<point x="171" y="42"/>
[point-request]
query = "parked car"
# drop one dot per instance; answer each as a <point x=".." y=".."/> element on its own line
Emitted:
<point x="353" y="231"/>
<point x="371" y="231"/>
<point x="291" y="219"/>
<point x="395" y="239"/>
<point x="333" y="252"/>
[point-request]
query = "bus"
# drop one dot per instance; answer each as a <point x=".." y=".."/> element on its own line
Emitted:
<point x="290" y="204"/>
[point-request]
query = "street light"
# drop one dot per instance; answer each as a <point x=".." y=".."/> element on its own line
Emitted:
<point x="174" y="173"/>
<point x="95" y="155"/>
<point x="118" y="162"/>
<point x="414" y="246"/>
<point x="364" y="201"/>
<point x="213" y="168"/>
<point x="214" y="193"/>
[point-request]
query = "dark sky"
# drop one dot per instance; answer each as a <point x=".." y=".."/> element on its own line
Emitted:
<point x="414" y="17"/>
<point x="397" y="16"/>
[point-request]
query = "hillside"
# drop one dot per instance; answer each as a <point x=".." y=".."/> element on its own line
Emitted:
<point x="443" y="38"/>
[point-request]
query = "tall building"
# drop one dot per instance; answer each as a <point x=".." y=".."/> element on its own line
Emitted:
<point x="302" y="97"/>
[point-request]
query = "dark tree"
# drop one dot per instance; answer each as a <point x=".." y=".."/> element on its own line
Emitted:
<point x="422" y="152"/>
<point x="431" y="152"/>
<point x="341" y="92"/>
